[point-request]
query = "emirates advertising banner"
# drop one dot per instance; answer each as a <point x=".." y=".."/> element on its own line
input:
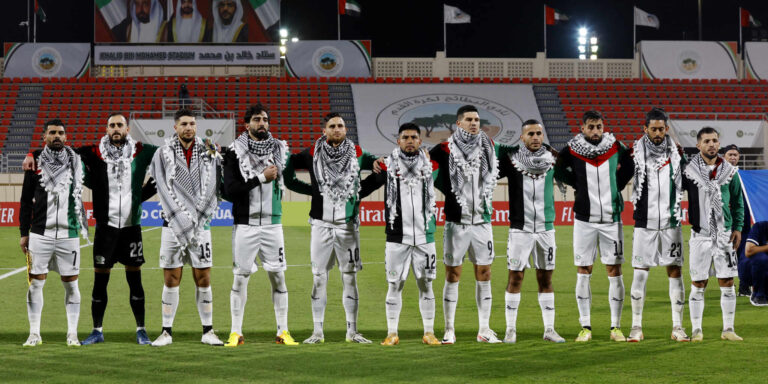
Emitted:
<point x="371" y="213"/>
<point x="328" y="58"/>
<point x="688" y="60"/>
<point x="380" y="109"/>
<point x="744" y="133"/>
<point x="46" y="59"/>
<point x="157" y="131"/>
<point x="756" y="60"/>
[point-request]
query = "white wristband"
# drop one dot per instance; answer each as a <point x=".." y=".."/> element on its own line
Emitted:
<point x="262" y="178"/>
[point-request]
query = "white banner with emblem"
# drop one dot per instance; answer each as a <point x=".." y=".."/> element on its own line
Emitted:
<point x="380" y="109"/>
<point x="47" y="59"/>
<point x="328" y="58"/>
<point x="688" y="60"/>
<point x="156" y="131"/>
<point x="743" y="133"/>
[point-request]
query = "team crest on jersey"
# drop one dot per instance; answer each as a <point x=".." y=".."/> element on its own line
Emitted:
<point x="99" y="259"/>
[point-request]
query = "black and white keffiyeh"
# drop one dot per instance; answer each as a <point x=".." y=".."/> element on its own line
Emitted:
<point x="336" y="171"/>
<point x="188" y="195"/>
<point x="59" y="170"/>
<point x="255" y="156"/>
<point x="410" y="170"/>
<point x="580" y="145"/>
<point x="118" y="159"/>
<point x="710" y="181"/>
<point x="470" y="154"/>
<point x="649" y="155"/>
<point x="532" y="164"/>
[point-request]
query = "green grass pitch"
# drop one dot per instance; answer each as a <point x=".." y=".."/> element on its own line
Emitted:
<point x="657" y="359"/>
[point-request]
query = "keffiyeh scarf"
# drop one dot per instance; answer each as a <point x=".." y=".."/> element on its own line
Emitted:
<point x="59" y="170"/>
<point x="470" y="154"/>
<point x="532" y="164"/>
<point x="118" y="159"/>
<point x="710" y="181"/>
<point x="580" y="145"/>
<point x="336" y="171"/>
<point x="649" y="155"/>
<point x="255" y="156"/>
<point x="410" y="170"/>
<point x="187" y="194"/>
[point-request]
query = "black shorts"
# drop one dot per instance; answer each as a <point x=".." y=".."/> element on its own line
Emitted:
<point x="121" y="245"/>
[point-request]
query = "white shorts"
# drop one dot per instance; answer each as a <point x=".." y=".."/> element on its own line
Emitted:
<point x="172" y="255"/>
<point x="588" y="236"/>
<point x="703" y="255"/>
<point x="522" y="244"/>
<point x="264" y="241"/>
<point x="58" y="255"/>
<point x="460" y="239"/>
<point x="652" y="248"/>
<point x="329" y="241"/>
<point x="398" y="258"/>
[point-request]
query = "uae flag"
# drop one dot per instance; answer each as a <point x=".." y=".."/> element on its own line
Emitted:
<point x="747" y="20"/>
<point x="553" y="15"/>
<point x="349" y="8"/>
<point x="113" y="11"/>
<point x="40" y="12"/>
<point x="268" y="11"/>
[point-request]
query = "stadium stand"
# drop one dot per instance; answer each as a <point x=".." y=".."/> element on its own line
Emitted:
<point x="297" y="105"/>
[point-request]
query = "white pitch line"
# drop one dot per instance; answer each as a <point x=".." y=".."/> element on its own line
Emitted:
<point x="22" y="269"/>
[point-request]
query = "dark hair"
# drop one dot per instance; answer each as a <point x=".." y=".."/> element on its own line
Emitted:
<point x="330" y="115"/>
<point x="54" y="122"/>
<point x="182" y="112"/>
<point x="531" y="122"/>
<point x="591" y="115"/>
<point x="730" y="147"/>
<point x="113" y="114"/>
<point x="409" y="127"/>
<point x="254" y="110"/>
<point x="655" y="114"/>
<point x="706" y="130"/>
<point x="464" y="109"/>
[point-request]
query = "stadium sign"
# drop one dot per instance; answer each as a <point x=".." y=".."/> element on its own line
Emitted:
<point x="46" y="59"/>
<point x="380" y="109"/>
<point x="186" y="55"/>
<point x="328" y="58"/>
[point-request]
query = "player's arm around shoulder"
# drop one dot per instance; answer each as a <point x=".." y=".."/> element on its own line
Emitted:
<point x="373" y="182"/>
<point x="736" y="203"/>
<point x="301" y="160"/>
<point x="564" y="167"/>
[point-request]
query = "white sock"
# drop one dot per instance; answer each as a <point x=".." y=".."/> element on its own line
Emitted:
<point x="279" y="300"/>
<point x="170" y="300"/>
<point x="35" y="305"/>
<point x="237" y="298"/>
<point x="319" y="299"/>
<point x="512" y="303"/>
<point x="677" y="299"/>
<point x="349" y="281"/>
<point x="584" y="298"/>
<point x="728" y="306"/>
<point x="450" y="298"/>
<point x="696" y="306"/>
<point x="204" y="299"/>
<point x="637" y="294"/>
<point x="484" y="300"/>
<point x="72" y="302"/>
<point x="616" y="297"/>
<point x="547" y="305"/>
<point x="394" y="303"/>
<point x="427" y="305"/>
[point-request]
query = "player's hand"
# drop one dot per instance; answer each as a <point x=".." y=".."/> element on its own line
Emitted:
<point x="28" y="164"/>
<point x="270" y="173"/>
<point x="24" y="243"/>
<point x="735" y="239"/>
<point x="377" y="164"/>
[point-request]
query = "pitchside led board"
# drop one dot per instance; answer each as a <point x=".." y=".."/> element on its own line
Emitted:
<point x="380" y="109"/>
<point x="186" y="22"/>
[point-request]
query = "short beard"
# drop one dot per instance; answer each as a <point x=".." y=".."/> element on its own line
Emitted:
<point x="185" y="140"/>
<point x="118" y="143"/>
<point x="261" y="135"/>
<point x="411" y="153"/>
<point x="707" y="156"/>
<point x="594" y="142"/>
<point x="334" y="142"/>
